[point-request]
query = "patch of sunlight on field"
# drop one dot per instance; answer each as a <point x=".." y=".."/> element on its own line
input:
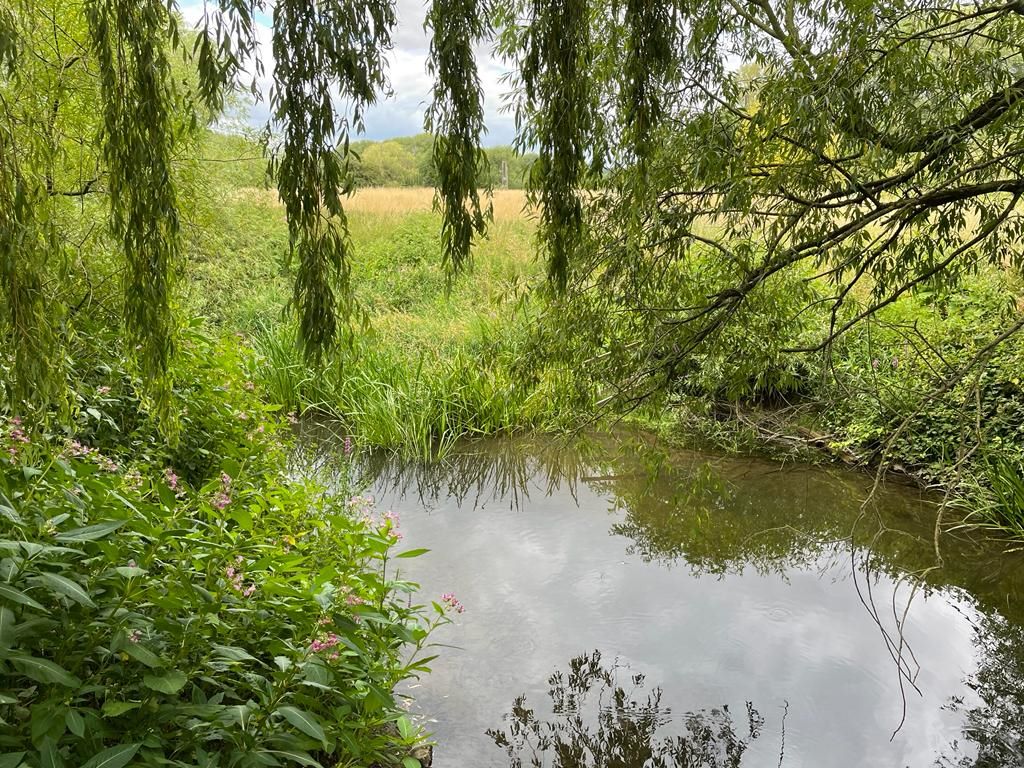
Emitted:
<point x="509" y="204"/>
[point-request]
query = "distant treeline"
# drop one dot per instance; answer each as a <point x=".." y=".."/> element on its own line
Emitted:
<point x="406" y="162"/>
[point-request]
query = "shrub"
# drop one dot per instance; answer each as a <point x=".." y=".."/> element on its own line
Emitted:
<point x="225" y="618"/>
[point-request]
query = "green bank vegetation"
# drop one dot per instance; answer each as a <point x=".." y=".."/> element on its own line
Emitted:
<point x="821" y="249"/>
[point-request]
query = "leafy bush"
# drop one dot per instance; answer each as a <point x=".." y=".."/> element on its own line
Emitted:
<point x="151" y="616"/>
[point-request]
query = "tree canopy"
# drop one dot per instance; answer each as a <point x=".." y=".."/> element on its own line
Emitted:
<point x="877" y="140"/>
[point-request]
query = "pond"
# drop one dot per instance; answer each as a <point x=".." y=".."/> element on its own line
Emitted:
<point x="629" y="604"/>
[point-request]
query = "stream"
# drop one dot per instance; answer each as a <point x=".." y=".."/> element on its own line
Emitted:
<point x="630" y="604"/>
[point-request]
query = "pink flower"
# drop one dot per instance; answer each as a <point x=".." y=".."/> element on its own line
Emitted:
<point x="104" y="390"/>
<point x="135" y="636"/>
<point x="249" y="590"/>
<point x="325" y="642"/>
<point x="352" y="599"/>
<point x="347" y="446"/>
<point x="452" y="602"/>
<point x="171" y="478"/>
<point x="220" y="500"/>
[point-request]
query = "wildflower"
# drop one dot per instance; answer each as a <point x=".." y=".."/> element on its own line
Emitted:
<point x="327" y="641"/>
<point x="452" y="602"/>
<point x="242" y="416"/>
<point x="352" y="599"/>
<point x="249" y="591"/>
<point x="135" y="636"/>
<point x="347" y="446"/>
<point x="874" y="363"/>
<point x="895" y="362"/>
<point x="104" y="390"/>
<point x="171" y="478"/>
<point x="236" y="578"/>
<point x="249" y="386"/>
<point x="323" y="621"/>
<point x="220" y="500"/>
<point x="132" y="564"/>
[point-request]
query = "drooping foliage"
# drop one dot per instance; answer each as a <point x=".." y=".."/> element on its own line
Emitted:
<point x="555" y="114"/>
<point x="130" y="46"/>
<point x="874" y="143"/>
<point x="456" y="119"/>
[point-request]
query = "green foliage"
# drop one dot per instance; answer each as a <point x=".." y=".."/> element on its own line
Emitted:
<point x="556" y="113"/>
<point x="408" y="161"/>
<point x="456" y="118"/>
<point x="130" y="43"/>
<point x="422" y="402"/>
<point x="222" y="614"/>
<point x="319" y="49"/>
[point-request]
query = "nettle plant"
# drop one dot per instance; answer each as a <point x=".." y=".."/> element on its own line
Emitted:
<point x="246" y="622"/>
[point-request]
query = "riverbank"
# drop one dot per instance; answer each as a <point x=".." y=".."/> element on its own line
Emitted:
<point x="432" y="360"/>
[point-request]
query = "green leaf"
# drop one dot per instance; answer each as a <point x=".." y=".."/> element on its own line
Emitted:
<point x="129" y="572"/>
<point x="304" y="721"/>
<point x="91" y="532"/>
<point x="294" y="756"/>
<point x="410" y="762"/>
<point x="232" y="653"/>
<point x="113" y="708"/>
<point x="115" y="757"/>
<point x="49" y="757"/>
<point x="6" y="625"/>
<point x="62" y="585"/>
<point x="170" y="683"/>
<point x="405" y="729"/>
<point x="12" y="759"/>
<point x="75" y="723"/>
<point x="413" y="552"/>
<point x="45" y="671"/>
<point x="8" y="592"/>
<point x="143" y="655"/>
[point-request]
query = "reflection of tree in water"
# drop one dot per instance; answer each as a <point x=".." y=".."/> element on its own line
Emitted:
<point x="598" y="721"/>
<point x="722" y="515"/>
<point x="994" y="729"/>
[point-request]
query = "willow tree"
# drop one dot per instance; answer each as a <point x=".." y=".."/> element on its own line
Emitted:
<point x="878" y="140"/>
<point x="841" y="154"/>
<point x="330" y="61"/>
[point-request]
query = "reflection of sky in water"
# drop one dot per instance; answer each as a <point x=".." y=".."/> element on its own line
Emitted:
<point x="544" y="581"/>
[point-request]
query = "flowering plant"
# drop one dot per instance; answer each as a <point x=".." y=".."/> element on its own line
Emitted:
<point x="197" y="608"/>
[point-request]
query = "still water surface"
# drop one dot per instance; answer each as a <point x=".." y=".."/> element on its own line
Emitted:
<point x="644" y="606"/>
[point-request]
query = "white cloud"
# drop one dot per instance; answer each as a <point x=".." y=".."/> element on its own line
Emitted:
<point x="400" y="114"/>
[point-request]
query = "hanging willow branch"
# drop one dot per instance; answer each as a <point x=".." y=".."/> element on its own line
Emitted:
<point x="554" y="113"/>
<point x="130" y="39"/>
<point x="456" y="119"/>
<point x="323" y="51"/>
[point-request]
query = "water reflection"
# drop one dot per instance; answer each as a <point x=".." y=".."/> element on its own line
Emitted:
<point x="602" y="716"/>
<point x="729" y="580"/>
<point x="993" y="731"/>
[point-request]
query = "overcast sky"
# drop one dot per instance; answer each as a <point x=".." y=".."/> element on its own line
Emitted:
<point x="402" y="114"/>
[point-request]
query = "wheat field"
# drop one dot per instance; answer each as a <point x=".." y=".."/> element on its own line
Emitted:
<point x="509" y="204"/>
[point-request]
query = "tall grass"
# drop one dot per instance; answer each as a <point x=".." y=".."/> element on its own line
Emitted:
<point x="442" y="359"/>
<point x="416" y="403"/>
